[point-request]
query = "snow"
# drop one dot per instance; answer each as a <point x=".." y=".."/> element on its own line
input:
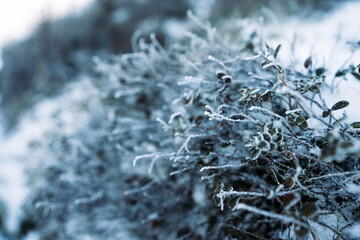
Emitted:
<point x="326" y="40"/>
<point x="354" y="231"/>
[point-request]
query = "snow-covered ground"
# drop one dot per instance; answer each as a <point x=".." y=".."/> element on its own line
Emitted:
<point x="324" y="40"/>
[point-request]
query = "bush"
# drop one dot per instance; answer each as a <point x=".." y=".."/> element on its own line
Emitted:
<point x="226" y="143"/>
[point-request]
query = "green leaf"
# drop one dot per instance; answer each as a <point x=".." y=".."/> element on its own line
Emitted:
<point x="320" y="71"/>
<point x="340" y="73"/>
<point x="308" y="210"/>
<point x="265" y="63"/>
<point x="356" y="75"/>
<point x="301" y="232"/>
<point x="340" y="105"/>
<point x="277" y="50"/>
<point x="355" y="124"/>
<point x="268" y="47"/>
<point x="220" y="74"/>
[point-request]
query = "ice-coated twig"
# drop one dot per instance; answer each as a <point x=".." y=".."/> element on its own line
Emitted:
<point x="352" y="178"/>
<point x="283" y="120"/>
<point x="134" y="40"/>
<point x="151" y="155"/>
<point x="253" y="57"/>
<point x="284" y="218"/>
<point x="214" y="59"/>
<point x="209" y="177"/>
<point x="333" y="175"/>
<point x="186" y="142"/>
<point x="211" y="31"/>
<point x="293" y="111"/>
<point x="304" y="107"/>
<point x="151" y="166"/>
<point x="223" y="106"/>
<point x="188" y="80"/>
<point x="221" y="166"/>
<point x="194" y="37"/>
<point x="163" y="123"/>
<point x="180" y="171"/>
<point x="91" y="199"/>
<point x="174" y="115"/>
<point x="140" y="189"/>
<point x="216" y="116"/>
<point x="296" y="177"/>
<point x="225" y="194"/>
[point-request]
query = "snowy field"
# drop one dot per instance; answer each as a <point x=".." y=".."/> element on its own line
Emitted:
<point x="323" y="39"/>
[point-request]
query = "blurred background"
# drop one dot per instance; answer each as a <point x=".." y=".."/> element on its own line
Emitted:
<point x="45" y="45"/>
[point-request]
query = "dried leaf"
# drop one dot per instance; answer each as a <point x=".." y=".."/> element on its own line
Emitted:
<point x="289" y="199"/>
<point x="289" y="183"/>
<point x="326" y="113"/>
<point x="308" y="62"/>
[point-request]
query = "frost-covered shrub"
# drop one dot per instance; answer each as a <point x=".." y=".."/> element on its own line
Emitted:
<point x="226" y="142"/>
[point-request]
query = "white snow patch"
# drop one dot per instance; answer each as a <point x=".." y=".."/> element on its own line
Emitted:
<point x="326" y="40"/>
